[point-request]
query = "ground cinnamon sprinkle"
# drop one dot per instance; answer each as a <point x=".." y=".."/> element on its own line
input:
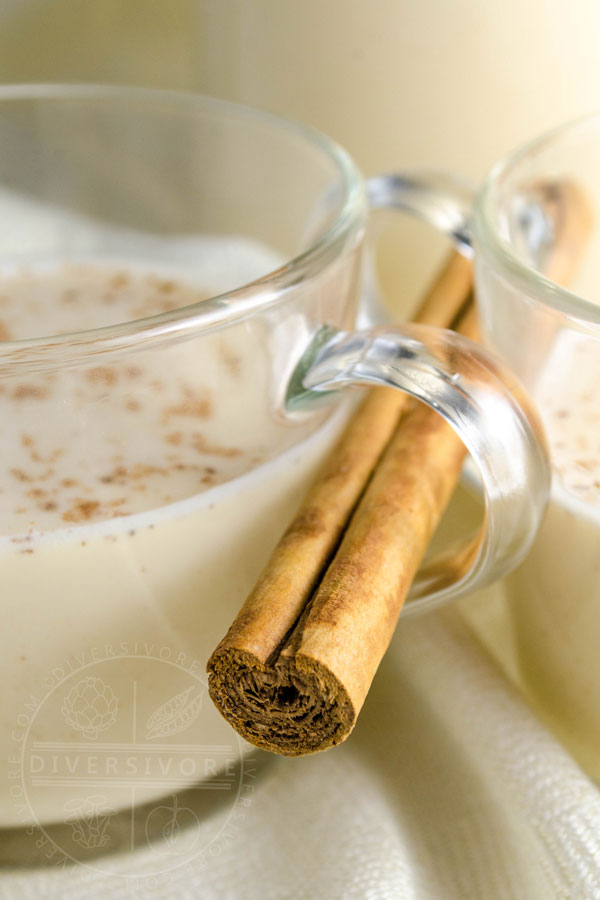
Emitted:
<point x="36" y="456"/>
<point x="119" y="474"/>
<point x="230" y="360"/>
<point x="20" y="475"/>
<point x="5" y="332"/>
<point x="122" y="474"/>
<point x="29" y="392"/>
<point x="202" y="445"/>
<point x="142" y="470"/>
<point x="102" y="374"/>
<point x="81" y="511"/>
<point x="192" y="405"/>
<point x="37" y="493"/>
<point x="119" y="279"/>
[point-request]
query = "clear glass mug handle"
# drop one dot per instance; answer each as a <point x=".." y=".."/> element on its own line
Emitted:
<point x="461" y="381"/>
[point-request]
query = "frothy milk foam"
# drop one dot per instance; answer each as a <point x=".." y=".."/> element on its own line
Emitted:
<point x="555" y="594"/>
<point x="139" y="499"/>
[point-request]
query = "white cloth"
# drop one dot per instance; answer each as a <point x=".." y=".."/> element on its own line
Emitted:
<point x="448" y="788"/>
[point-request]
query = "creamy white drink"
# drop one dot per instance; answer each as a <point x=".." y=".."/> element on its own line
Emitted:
<point x="139" y="500"/>
<point x="555" y="594"/>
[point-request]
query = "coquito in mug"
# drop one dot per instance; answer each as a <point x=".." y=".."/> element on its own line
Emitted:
<point x="179" y="285"/>
<point x="549" y="335"/>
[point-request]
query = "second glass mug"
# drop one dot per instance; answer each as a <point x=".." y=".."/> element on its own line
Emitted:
<point x="539" y="208"/>
<point x="175" y="264"/>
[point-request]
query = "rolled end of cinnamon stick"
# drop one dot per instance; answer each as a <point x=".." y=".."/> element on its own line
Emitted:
<point x="295" y="684"/>
<point x="294" y="707"/>
<point x="292" y="672"/>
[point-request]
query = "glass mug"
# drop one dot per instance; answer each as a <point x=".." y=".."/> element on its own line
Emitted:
<point x="179" y="285"/>
<point x="549" y="335"/>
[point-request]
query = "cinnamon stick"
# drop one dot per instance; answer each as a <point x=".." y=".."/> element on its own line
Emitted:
<point x="293" y="671"/>
<point x="253" y="679"/>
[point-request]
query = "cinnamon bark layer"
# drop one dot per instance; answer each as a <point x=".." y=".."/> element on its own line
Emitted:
<point x="303" y="693"/>
<point x="293" y="670"/>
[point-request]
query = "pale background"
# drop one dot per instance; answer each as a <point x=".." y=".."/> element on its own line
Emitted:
<point x="443" y="84"/>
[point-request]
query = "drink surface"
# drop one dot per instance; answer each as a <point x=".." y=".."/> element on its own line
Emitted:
<point x="568" y="394"/>
<point x="117" y="437"/>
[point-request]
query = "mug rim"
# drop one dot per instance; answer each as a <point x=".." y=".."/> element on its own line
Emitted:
<point x="500" y="250"/>
<point x="219" y="310"/>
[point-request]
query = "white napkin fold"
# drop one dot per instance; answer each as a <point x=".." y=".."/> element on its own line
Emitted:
<point x="448" y="789"/>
